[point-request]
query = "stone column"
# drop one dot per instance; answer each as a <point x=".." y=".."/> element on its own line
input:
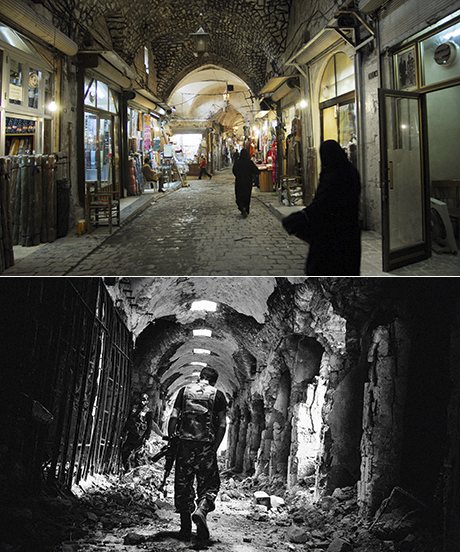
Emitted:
<point x="241" y="445"/>
<point x="254" y="436"/>
<point x="383" y="416"/>
<point x="306" y="425"/>
<point x="233" y="431"/>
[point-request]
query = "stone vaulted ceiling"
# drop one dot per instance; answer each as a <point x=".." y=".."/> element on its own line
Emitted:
<point x="246" y="35"/>
<point x="253" y="318"/>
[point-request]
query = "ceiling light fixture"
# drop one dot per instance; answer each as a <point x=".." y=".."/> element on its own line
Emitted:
<point x="200" y="41"/>
<point x="201" y="352"/>
<point x="203" y="364"/>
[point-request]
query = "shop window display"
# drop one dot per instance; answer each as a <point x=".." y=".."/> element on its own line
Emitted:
<point x="337" y="104"/>
<point x="33" y="87"/>
<point x="441" y="56"/>
<point x="328" y="88"/>
<point x="102" y="96"/>
<point x="90" y="92"/>
<point x="20" y="136"/>
<point x="90" y="147"/>
<point x="28" y="90"/>
<point x="16" y="82"/>
<point x="113" y="101"/>
<point x="105" y="149"/>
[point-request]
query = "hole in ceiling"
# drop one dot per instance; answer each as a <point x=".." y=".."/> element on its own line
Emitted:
<point x="208" y="306"/>
<point x="202" y="332"/>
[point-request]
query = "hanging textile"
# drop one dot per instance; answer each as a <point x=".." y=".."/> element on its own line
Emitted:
<point x="139" y="177"/>
<point x="6" y="242"/>
<point x="32" y="198"/>
<point x="132" y="189"/>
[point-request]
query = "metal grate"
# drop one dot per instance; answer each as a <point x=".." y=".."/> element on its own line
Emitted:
<point x="74" y="360"/>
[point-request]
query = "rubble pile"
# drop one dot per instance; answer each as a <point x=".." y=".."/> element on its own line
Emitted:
<point x="41" y="523"/>
<point x="62" y="520"/>
<point x="333" y="523"/>
<point x="234" y="486"/>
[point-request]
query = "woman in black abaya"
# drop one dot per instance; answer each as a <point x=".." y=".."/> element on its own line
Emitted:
<point x="245" y="171"/>
<point x="330" y="223"/>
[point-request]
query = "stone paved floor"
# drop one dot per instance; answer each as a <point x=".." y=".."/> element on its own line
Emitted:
<point x="198" y="231"/>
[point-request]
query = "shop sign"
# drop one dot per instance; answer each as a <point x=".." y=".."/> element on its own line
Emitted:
<point x="156" y="144"/>
<point x="168" y="150"/>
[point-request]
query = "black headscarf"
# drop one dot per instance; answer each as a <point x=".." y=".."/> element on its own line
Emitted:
<point x="332" y="156"/>
<point x="244" y="154"/>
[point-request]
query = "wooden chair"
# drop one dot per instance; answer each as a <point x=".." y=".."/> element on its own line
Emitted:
<point x="102" y="205"/>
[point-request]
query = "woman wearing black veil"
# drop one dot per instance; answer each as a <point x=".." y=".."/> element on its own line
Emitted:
<point x="245" y="171"/>
<point x="330" y="224"/>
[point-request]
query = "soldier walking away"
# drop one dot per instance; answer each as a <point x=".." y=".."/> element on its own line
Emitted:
<point x="199" y="420"/>
<point x="136" y="432"/>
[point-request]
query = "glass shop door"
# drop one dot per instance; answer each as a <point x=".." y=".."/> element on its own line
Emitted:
<point x="406" y="235"/>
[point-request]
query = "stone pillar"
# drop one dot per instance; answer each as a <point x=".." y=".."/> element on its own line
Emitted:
<point x="263" y="461"/>
<point x="233" y="431"/>
<point x="306" y="425"/>
<point x="383" y="416"/>
<point x="281" y="444"/>
<point x="254" y="436"/>
<point x="241" y="445"/>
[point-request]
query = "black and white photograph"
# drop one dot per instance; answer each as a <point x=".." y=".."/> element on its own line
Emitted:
<point x="229" y="414"/>
<point x="229" y="276"/>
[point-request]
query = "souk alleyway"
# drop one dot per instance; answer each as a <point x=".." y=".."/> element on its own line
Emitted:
<point x="196" y="230"/>
<point x="332" y="407"/>
<point x="199" y="231"/>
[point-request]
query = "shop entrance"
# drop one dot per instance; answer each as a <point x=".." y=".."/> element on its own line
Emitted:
<point x="419" y="144"/>
<point x="99" y="149"/>
<point x="420" y="174"/>
<point x="405" y="191"/>
<point x="443" y="141"/>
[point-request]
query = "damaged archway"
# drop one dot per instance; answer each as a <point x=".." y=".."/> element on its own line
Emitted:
<point x="329" y="382"/>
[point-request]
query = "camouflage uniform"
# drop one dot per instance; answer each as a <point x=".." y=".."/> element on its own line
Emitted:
<point x="196" y="457"/>
<point x="137" y="431"/>
<point x="200" y="460"/>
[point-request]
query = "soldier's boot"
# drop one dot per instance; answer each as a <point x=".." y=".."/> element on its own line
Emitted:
<point x="199" y="519"/>
<point x="185" y="533"/>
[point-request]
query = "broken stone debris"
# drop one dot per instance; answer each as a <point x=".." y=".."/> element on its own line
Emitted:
<point x="261" y="497"/>
<point x="134" y="538"/>
<point x="298" y="535"/>
<point x="340" y="545"/>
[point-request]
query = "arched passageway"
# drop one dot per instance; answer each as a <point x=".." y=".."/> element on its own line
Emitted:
<point x="326" y="381"/>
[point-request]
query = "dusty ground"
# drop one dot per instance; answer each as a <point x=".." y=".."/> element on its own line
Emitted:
<point x="130" y="514"/>
<point x="231" y="531"/>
